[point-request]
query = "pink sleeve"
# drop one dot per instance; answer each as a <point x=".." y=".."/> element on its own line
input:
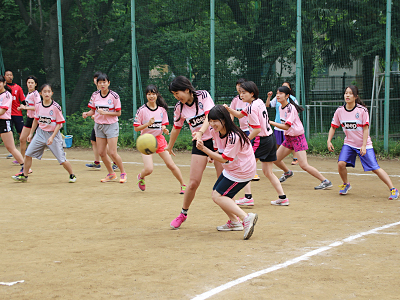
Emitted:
<point x="117" y="103"/>
<point x="138" y="118"/>
<point x="232" y="147"/>
<point x="21" y="95"/>
<point x="233" y="103"/>
<point x="208" y="103"/>
<point x="59" y="117"/>
<point x="335" y="120"/>
<point x="165" y="120"/>
<point x="177" y="114"/>
<point x="291" y="115"/>
<point x="253" y="120"/>
<point x="91" y="103"/>
<point x="365" y="118"/>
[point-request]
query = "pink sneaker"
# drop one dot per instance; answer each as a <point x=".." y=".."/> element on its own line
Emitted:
<point x="183" y="189"/>
<point x="109" y="177"/>
<point x="141" y="183"/>
<point x="245" y="202"/>
<point x="282" y="202"/>
<point x="15" y="162"/>
<point x="123" y="178"/>
<point x="176" y="223"/>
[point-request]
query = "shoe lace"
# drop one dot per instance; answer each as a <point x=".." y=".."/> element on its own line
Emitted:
<point x="393" y="192"/>
<point x="342" y="186"/>
<point x="183" y="187"/>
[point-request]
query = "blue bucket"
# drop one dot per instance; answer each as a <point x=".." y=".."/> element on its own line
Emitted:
<point x="68" y="141"/>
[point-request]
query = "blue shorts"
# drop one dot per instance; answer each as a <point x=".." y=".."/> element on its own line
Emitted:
<point x="280" y="136"/>
<point x="368" y="161"/>
<point x="18" y="123"/>
<point x="227" y="187"/>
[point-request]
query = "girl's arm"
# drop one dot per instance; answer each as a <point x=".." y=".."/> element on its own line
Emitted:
<point x="281" y="126"/>
<point x="211" y="154"/>
<point x="165" y="129"/>
<point x="330" y="136"/>
<point x="109" y="113"/>
<point x="254" y="133"/>
<point x="233" y="112"/>
<point x="88" y="113"/>
<point x="363" y="149"/>
<point x="33" y="128"/>
<point x="141" y="127"/>
<point x="198" y="134"/>
<point x="26" y="107"/>
<point x="268" y="101"/>
<point x="56" y="130"/>
<point x="172" y="139"/>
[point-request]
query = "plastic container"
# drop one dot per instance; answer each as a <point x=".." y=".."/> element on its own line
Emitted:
<point x="68" y="141"/>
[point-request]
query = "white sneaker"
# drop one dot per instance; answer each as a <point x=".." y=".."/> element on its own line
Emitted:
<point x="231" y="226"/>
<point x="282" y="202"/>
<point x="245" y="202"/>
<point x="248" y="224"/>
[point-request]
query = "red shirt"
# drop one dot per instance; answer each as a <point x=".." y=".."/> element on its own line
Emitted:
<point x="17" y="97"/>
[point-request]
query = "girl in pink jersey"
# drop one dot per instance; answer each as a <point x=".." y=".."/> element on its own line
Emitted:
<point x="49" y="117"/>
<point x="5" y="121"/>
<point x="152" y="118"/>
<point x="354" y="119"/>
<point x="294" y="138"/>
<point x="237" y="158"/>
<point x="31" y="100"/>
<point x="264" y="143"/>
<point x="105" y="105"/>
<point x="193" y="106"/>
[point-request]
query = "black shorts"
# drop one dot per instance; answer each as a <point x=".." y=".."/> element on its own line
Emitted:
<point x="208" y="144"/>
<point x="265" y="148"/>
<point x="227" y="187"/>
<point x="5" y="126"/>
<point x="18" y="123"/>
<point x="29" y="122"/>
<point x="93" y="135"/>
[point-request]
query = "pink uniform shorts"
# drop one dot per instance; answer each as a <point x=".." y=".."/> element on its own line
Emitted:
<point x="162" y="143"/>
<point x="296" y="143"/>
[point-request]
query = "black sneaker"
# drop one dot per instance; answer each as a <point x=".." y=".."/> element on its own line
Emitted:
<point x="285" y="176"/>
<point x="72" y="178"/>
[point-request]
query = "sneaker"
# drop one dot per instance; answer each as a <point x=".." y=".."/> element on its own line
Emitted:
<point x="72" y="178"/>
<point x="295" y="162"/>
<point x="326" y="184"/>
<point x="123" y="178"/>
<point x="141" y="183"/>
<point x="115" y="167"/>
<point x="9" y="156"/>
<point x="176" y="223"/>
<point x="109" y="177"/>
<point x="231" y="226"/>
<point x="394" y="194"/>
<point x="244" y="201"/>
<point x="256" y="178"/>
<point x="20" y="178"/>
<point x="15" y="162"/>
<point x="344" y="188"/>
<point x="30" y="171"/>
<point x="286" y="175"/>
<point x="282" y="202"/>
<point x="183" y="189"/>
<point x="93" y="166"/>
<point x="248" y="224"/>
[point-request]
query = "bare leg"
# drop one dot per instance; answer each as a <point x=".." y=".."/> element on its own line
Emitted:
<point x="27" y="164"/>
<point x="302" y="157"/>
<point x="112" y="148"/>
<point x="148" y="165"/>
<point x="197" y="167"/>
<point x="228" y="206"/>
<point x="281" y="153"/>
<point x="101" y="147"/>
<point x="67" y="166"/>
<point x="267" y="169"/>
<point x="8" y="141"/>
<point x="95" y="151"/>
<point x="172" y="166"/>
<point x="342" y="171"/>
<point x="22" y="139"/>
<point x="384" y="177"/>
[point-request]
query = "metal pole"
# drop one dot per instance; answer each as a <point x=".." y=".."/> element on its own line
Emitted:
<point x="212" y="49"/>
<point x="61" y="54"/>
<point x="133" y="57"/>
<point x="387" y="74"/>
<point x="298" y="52"/>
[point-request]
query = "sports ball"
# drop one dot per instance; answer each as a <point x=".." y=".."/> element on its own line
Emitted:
<point x="147" y="144"/>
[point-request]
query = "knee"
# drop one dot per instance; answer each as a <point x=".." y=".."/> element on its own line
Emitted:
<point x="148" y="170"/>
<point x="215" y="196"/>
<point x="171" y="166"/>
<point x="341" y="165"/>
<point x="194" y="184"/>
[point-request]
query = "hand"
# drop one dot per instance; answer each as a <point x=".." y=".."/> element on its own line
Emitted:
<point x="363" y="150"/>
<point x="200" y="145"/>
<point x="29" y="138"/>
<point x="197" y="136"/>
<point x="166" y="131"/>
<point x="330" y="147"/>
<point x="101" y="111"/>
<point x="270" y="94"/>
<point x="21" y="107"/>
<point x="169" y="150"/>
<point x="50" y="141"/>
<point x="151" y="122"/>
<point x="210" y="160"/>
<point x="84" y="115"/>
<point x="227" y="107"/>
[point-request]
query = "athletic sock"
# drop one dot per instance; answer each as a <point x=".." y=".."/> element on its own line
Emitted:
<point x="248" y="196"/>
<point x="96" y="162"/>
<point x="184" y="211"/>
<point x="282" y="197"/>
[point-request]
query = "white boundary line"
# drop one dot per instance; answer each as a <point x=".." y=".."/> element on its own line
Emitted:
<point x="228" y="285"/>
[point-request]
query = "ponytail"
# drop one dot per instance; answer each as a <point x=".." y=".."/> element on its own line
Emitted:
<point x="286" y="90"/>
<point x="160" y="100"/>
<point x="354" y="90"/>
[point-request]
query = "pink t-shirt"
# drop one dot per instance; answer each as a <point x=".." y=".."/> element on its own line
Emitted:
<point x="31" y="100"/>
<point x="145" y="113"/>
<point x="289" y="116"/>
<point x="239" y="105"/>
<point x="188" y="113"/>
<point x="49" y="116"/>
<point x="258" y="117"/>
<point x="352" y="122"/>
<point x="6" y="103"/>
<point x="110" y="103"/>
<point x="241" y="162"/>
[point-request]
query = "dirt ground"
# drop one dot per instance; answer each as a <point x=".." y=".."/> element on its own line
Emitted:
<point x="90" y="240"/>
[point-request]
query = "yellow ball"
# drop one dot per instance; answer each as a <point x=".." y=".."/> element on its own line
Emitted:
<point x="147" y="144"/>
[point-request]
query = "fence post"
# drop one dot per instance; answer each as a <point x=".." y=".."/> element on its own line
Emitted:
<point x="212" y="49"/>
<point x="133" y="57"/>
<point x="387" y="74"/>
<point x="61" y="54"/>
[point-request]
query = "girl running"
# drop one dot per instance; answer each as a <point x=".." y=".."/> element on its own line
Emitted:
<point x="152" y="118"/>
<point x="105" y="105"/>
<point x="5" y="121"/>
<point x="49" y="117"/>
<point x="294" y="138"/>
<point x="31" y="100"/>
<point x="354" y="119"/>
<point x="280" y="137"/>
<point x="237" y="158"/>
<point x="264" y="144"/>
<point x="193" y="106"/>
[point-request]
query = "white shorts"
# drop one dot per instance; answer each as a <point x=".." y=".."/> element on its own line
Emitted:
<point x="39" y="143"/>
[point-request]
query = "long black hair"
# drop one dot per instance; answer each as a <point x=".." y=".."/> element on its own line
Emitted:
<point x="160" y="100"/>
<point x="7" y="88"/>
<point x="181" y="83"/>
<point x="354" y="89"/>
<point x="286" y="90"/>
<point x="250" y="87"/>
<point x="34" y="79"/>
<point x="220" y="113"/>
